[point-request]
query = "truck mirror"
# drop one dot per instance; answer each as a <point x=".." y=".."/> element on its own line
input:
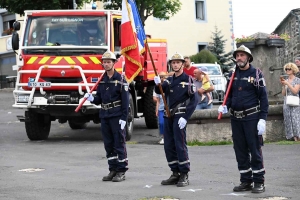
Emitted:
<point x="16" y="26"/>
<point x="15" y="41"/>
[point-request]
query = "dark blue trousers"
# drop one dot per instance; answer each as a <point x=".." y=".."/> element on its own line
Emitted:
<point x="175" y="145"/>
<point x="114" y="143"/>
<point x="247" y="146"/>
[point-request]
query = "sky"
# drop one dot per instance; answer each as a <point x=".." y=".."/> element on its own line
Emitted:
<point x="252" y="16"/>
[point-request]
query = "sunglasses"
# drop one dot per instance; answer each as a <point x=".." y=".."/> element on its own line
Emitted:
<point x="286" y="69"/>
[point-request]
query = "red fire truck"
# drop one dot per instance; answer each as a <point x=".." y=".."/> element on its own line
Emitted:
<point x="59" y="53"/>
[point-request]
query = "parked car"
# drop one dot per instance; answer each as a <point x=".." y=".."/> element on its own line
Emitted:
<point x="218" y="79"/>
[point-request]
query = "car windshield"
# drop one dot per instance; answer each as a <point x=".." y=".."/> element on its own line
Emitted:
<point x="212" y="70"/>
<point x="66" y="30"/>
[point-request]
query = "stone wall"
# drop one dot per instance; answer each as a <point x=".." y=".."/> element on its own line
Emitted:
<point x="291" y="26"/>
<point x="204" y="126"/>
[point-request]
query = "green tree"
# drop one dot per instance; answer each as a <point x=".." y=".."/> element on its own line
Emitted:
<point x="162" y="9"/>
<point x="18" y="6"/>
<point x="204" y="56"/>
<point x="224" y="59"/>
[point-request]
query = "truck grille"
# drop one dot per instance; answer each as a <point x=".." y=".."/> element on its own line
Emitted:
<point x="62" y="80"/>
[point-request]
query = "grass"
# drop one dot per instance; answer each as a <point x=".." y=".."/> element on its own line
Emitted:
<point x="158" y="198"/>
<point x="215" y="143"/>
<point x="131" y="142"/>
<point x="210" y="143"/>
<point x="284" y="142"/>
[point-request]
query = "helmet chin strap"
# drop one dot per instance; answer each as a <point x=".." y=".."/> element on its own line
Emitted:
<point x="245" y="64"/>
<point x="179" y="68"/>
<point x="111" y="67"/>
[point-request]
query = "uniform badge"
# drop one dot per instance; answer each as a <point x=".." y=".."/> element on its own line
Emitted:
<point x="126" y="87"/>
<point x="183" y="84"/>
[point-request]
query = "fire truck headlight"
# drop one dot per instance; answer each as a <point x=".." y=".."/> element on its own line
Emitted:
<point x="21" y="98"/>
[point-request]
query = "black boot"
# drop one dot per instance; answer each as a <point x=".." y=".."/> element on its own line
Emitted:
<point x="110" y="176"/>
<point x="174" y="178"/>
<point x="243" y="187"/>
<point x="120" y="176"/>
<point x="258" y="188"/>
<point x="183" y="180"/>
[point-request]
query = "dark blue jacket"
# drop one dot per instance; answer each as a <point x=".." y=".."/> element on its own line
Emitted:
<point x="176" y="90"/>
<point x="248" y="90"/>
<point x="111" y="90"/>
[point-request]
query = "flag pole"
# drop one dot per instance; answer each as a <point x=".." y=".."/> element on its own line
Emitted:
<point x="227" y="92"/>
<point x="93" y="88"/>
<point x="159" y="85"/>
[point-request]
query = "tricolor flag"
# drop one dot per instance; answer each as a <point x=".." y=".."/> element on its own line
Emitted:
<point x="132" y="39"/>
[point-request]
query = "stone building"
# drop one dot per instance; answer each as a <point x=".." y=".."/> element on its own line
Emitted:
<point x="290" y="25"/>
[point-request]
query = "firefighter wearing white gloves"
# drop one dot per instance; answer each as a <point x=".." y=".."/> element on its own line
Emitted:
<point x="179" y="91"/>
<point x="247" y="105"/>
<point x="157" y="80"/>
<point x="223" y="109"/>
<point x="122" y="123"/>
<point x="261" y="126"/>
<point x="113" y="96"/>
<point x="89" y="97"/>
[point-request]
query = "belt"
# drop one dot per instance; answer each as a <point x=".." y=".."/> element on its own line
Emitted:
<point x="107" y="106"/>
<point x="244" y="113"/>
<point x="180" y="110"/>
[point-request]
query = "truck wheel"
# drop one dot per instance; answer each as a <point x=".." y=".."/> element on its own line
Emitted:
<point x="149" y="109"/>
<point x="130" y="119"/>
<point x="74" y="125"/>
<point x="37" y="126"/>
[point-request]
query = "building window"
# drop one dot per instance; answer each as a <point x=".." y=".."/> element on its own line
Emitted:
<point x="7" y="26"/>
<point x="201" y="46"/>
<point x="200" y="9"/>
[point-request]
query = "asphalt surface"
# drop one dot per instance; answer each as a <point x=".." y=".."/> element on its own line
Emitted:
<point x="70" y="165"/>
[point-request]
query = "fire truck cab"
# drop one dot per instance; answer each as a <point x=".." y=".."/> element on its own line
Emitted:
<point x="59" y="60"/>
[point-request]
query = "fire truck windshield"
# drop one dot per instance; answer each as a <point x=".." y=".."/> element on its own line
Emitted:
<point x="66" y="30"/>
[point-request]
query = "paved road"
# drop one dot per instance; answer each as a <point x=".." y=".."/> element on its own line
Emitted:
<point x="72" y="164"/>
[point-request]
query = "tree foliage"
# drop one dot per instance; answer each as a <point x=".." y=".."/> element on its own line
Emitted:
<point x="162" y="9"/>
<point x="19" y="6"/>
<point x="204" y="56"/>
<point x="224" y="59"/>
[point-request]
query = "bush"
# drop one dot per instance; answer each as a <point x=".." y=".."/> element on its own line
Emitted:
<point x="204" y="56"/>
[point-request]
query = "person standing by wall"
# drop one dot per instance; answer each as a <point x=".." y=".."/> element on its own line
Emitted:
<point x="112" y="94"/>
<point x="291" y="114"/>
<point x="297" y="62"/>
<point x="248" y="106"/>
<point x="181" y="99"/>
<point x="159" y="110"/>
<point x="198" y="83"/>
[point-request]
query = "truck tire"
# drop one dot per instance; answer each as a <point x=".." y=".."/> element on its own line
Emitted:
<point x="149" y="109"/>
<point x="74" y="125"/>
<point x="130" y="119"/>
<point x="36" y="125"/>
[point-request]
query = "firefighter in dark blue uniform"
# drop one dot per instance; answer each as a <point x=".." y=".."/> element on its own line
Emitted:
<point x="112" y="94"/>
<point x="248" y="106"/>
<point x="179" y="91"/>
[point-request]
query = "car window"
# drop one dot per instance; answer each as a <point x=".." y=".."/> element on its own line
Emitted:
<point x="212" y="70"/>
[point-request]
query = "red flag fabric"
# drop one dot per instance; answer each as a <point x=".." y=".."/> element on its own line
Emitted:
<point x="132" y="39"/>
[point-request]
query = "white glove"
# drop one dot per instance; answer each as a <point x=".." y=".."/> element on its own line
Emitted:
<point x="181" y="122"/>
<point x="89" y="97"/>
<point x="261" y="126"/>
<point x="123" y="123"/>
<point x="157" y="80"/>
<point x="223" y="109"/>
